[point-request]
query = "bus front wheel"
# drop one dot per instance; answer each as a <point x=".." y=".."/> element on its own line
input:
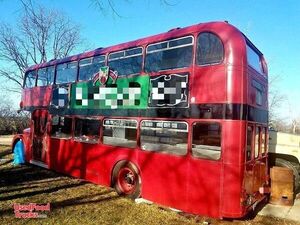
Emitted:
<point x="126" y="179"/>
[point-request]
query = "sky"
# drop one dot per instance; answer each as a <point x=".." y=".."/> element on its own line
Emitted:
<point x="273" y="26"/>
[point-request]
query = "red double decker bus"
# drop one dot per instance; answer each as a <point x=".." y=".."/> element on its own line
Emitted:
<point x="179" y="118"/>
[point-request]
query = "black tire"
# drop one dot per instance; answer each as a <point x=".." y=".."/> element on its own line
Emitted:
<point x="126" y="179"/>
<point x="288" y="164"/>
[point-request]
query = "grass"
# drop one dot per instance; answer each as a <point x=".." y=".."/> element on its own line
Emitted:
<point x="74" y="201"/>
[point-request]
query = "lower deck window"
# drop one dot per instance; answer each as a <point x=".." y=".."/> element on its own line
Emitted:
<point x="206" y="140"/>
<point x="87" y="130"/>
<point x="119" y="132"/>
<point x="164" y="136"/>
<point x="61" y="127"/>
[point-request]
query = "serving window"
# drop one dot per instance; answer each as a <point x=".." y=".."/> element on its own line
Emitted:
<point x="164" y="136"/>
<point x="87" y="130"/>
<point x="120" y="132"/>
<point x="61" y="127"/>
<point x="206" y="140"/>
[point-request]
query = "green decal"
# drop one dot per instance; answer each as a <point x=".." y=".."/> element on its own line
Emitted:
<point x="124" y="93"/>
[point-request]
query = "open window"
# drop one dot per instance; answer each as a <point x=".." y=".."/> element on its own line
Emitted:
<point x="61" y="127"/>
<point x="87" y="130"/>
<point x="206" y="140"/>
<point x="164" y="136"/>
<point x="120" y="132"/>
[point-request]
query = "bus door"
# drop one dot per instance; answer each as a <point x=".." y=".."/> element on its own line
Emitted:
<point x="256" y="162"/>
<point x="39" y="127"/>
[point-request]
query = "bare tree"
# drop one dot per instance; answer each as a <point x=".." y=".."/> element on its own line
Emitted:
<point x="106" y="6"/>
<point x="42" y="34"/>
<point x="276" y="100"/>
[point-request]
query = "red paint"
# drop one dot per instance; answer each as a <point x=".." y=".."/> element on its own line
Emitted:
<point x="224" y="188"/>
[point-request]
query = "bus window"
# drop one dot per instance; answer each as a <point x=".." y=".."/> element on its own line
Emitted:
<point x="263" y="141"/>
<point x="45" y="76"/>
<point x="87" y="130"/>
<point x="30" y="79"/>
<point x="88" y="67"/>
<point x="253" y="59"/>
<point x="61" y="127"/>
<point x="257" y="142"/>
<point x="209" y="49"/>
<point x="206" y="140"/>
<point x="172" y="54"/>
<point x="164" y="136"/>
<point x="66" y="72"/>
<point x="249" y="143"/>
<point x="119" y="132"/>
<point x="126" y="62"/>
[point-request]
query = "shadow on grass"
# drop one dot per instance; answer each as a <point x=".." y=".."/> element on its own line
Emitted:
<point x="5" y="152"/>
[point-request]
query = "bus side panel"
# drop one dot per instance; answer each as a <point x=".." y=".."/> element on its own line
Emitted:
<point x="233" y="170"/>
<point x="204" y="187"/>
<point x="65" y="156"/>
<point x="37" y="96"/>
<point x="164" y="179"/>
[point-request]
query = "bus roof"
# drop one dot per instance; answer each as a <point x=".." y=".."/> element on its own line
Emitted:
<point x="176" y="32"/>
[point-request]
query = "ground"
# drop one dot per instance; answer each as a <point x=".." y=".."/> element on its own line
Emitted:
<point x="74" y="201"/>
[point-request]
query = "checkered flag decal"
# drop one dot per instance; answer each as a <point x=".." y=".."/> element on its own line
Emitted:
<point x="60" y="97"/>
<point x="169" y="90"/>
<point x="109" y="97"/>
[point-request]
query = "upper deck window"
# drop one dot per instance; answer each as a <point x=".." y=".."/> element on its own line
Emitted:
<point x="172" y="54"/>
<point x="126" y="62"/>
<point x="210" y="49"/>
<point x="30" y="79"/>
<point x="88" y="67"/>
<point x="253" y="59"/>
<point x="45" y="76"/>
<point x="66" y="73"/>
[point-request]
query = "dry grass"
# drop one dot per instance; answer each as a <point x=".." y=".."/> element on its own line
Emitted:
<point x="74" y="201"/>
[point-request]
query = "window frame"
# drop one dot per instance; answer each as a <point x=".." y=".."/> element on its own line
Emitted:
<point x="250" y="46"/>
<point x="56" y="72"/>
<point x="71" y="132"/>
<point x="136" y="127"/>
<point x="258" y="145"/>
<point x="170" y="48"/>
<point x="221" y="142"/>
<point x="126" y="57"/>
<point x="171" y="129"/>
<point x="78" y="139"/>
<point x="47" y="67"/>
<point x="196" y="50"/>
<point x="26" y="75"/>
<point x="91" y="63"/>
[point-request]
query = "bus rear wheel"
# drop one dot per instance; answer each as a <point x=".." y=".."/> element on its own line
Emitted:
<point x="126" y="179"/>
